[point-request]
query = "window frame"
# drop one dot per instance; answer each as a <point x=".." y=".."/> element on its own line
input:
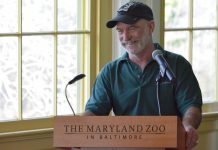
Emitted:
<point x="208" y="106"/>
<point x="93" y="60"/>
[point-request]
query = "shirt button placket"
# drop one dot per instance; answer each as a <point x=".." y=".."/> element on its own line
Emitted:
<point x="139" y="76"/>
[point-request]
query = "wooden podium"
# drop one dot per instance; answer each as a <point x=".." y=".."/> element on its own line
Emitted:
<point x="119" y="132"/>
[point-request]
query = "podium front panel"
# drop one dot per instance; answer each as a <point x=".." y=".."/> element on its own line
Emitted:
<point x="118" y="131"/>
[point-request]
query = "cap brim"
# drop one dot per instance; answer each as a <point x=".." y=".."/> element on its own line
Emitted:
<point x="121" y="18"/>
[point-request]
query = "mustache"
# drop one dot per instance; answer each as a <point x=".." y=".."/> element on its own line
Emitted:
<point x="128" y="43"/>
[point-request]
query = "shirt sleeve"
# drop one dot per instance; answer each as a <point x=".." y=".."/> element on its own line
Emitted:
<point x="100" y="101"/>
<point x="187" y="91"/>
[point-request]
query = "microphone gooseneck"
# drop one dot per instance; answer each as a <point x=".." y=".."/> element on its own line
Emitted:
<point x="164" y="70"/>
<point x="78" y="77"/>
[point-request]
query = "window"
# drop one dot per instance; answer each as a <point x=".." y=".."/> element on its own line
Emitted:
<point x="191" y="30"/>
<point x="41" y="49"/>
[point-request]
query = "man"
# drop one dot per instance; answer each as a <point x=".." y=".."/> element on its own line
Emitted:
<point x="128" y="85"/>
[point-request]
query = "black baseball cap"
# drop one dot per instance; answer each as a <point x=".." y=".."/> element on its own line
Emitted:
<point x="131" y="12"/>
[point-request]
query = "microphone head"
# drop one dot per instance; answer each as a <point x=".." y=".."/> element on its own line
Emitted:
<point x="155" y="53"/>
<point x="76" y="78"/>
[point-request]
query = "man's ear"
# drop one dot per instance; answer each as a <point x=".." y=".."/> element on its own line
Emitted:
<point x="151" y="25"/>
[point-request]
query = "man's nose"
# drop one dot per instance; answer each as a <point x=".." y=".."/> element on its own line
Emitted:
<point x="126" y="36"/>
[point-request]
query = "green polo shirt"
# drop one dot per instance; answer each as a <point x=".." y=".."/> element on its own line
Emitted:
<point x="124" y="87"/>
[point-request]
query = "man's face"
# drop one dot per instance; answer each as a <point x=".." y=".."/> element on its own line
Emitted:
<point x="135" y="37"/>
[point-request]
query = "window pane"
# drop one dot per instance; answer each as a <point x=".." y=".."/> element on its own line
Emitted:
<point x="9" y="16"/>
<point x="177" y="42"/>
<point x="71" y="15"/>
<point x="38" y="15"/>
<point x="176" y="13"/>
<point x="9" y="78"/>
<point x="204" y="56"/>
<point x="204" y="13"/>
<point x="37" y="76"/>
<point x="69" y="47"/>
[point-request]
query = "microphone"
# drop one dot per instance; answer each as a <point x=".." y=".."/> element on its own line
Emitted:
<point x="76" y="78"/>
<point x="164" y="66"/>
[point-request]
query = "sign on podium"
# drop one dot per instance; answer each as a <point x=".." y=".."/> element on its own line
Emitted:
<point x="119" y="132"/>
